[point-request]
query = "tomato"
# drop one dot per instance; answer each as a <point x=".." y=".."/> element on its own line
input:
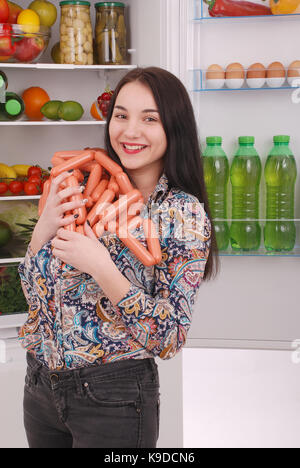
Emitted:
<point x="30" y="188"/>
<point x="35" y="179"/>
<point x="3" y="187"/>
<point x="34" y="170"/>
<point x="16" y="186"/>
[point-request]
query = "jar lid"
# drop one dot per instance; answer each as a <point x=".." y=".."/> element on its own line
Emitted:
<point x="214" y="140"/>
<point x="109" y="4"/>
<point x="74" y="2"/>
<point x="281" y="139"/>
<point x="246" y="140"/>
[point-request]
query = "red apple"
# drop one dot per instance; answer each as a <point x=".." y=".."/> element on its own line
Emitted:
<point x="29" y="48"/>
<point x="14" y="11"/>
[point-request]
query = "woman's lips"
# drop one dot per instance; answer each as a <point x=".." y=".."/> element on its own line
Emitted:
<point x="134" y="150"/>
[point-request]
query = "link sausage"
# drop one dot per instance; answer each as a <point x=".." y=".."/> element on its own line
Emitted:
<point x="73" y="163"/>
<point x="122" y="204"/>
<point x="93" y="180"/>
<point x="136" y="248"/>
<point x="104" y="160"/>
<point x="106" y="198"/>
<point x="152" y="240"/>
<point x="97" y="192"/>
<point x="81" y="211"/>
<point x="124" y="182"/>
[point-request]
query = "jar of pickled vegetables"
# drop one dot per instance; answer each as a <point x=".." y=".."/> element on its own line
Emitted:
<point x="76" y="34"/>
<point x="110" y="33"/>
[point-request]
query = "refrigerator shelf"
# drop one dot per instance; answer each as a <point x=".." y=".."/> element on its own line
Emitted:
<point x="201" y="14"/>
<point x="29" y="123"/>
<point x="55" y="66"/>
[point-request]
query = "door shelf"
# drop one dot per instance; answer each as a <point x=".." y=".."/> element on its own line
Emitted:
<point x="55" y="66"/>
<point x="199" y="83"/>
<point x="201" y="14"/>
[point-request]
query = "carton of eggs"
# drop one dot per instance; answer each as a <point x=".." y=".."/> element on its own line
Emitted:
<point x="293" y="73"/>
<point x="215" y="77"/>
<point x="234" y="76"/>
<point x="275" y="75"/>
<point x="256" y="75"/>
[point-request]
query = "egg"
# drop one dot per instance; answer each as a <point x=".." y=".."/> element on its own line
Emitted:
<point x="275" y="75"/>
<point x="215" y="77"/>
<point x="293" y="73"/>
<point x="234" y="75"/>
<point x="256" y="75"/>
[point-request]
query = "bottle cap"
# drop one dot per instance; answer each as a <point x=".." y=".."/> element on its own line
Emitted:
<point x="13" y="107"/>
<point x="214" y="140"/>
<point x="74" y="2"/>
<point x="281" y="139"/>
<point x="246" y="140"/>
<point x="109" y="4"/>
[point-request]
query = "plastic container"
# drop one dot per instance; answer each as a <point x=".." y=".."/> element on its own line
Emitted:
<point x="280" y="176"/>
<point x="76" y="34"/>
<point x="110" y="33"/>
<point x="13" y="108"/>
<point x="216" y="176"/>
<point x="245" y="176"/>
<point x="22" y="47"/>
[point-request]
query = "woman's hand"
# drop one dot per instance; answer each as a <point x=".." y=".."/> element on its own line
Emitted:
<point x="52" y="217"/>
<point x="85" y="253"/>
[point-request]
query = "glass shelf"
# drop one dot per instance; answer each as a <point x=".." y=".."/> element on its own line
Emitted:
<point x="262" y="251"/>
<point x="201" y="14"/>
<point x="200" y="83"/>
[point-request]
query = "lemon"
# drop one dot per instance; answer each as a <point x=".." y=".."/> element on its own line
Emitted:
<point x="29" y="20"/>
<point x="7" y="173"/>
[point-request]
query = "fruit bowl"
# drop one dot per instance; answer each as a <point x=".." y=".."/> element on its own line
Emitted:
<point x="18" y="46"/>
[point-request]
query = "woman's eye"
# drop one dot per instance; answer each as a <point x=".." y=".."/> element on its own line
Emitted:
<point x="120" y="116"/>
<point x="150" y="119"/>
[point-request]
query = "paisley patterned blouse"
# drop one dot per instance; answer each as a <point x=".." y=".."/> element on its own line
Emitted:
<point x="72" y="324"/>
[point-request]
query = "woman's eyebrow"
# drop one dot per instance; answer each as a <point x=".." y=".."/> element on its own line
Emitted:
<point x="144" y="111"/>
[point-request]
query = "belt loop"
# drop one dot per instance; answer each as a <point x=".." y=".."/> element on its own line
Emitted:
<point x="77" y="379"/>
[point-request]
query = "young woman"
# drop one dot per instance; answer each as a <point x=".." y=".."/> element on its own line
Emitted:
<point x="97" y="316"/>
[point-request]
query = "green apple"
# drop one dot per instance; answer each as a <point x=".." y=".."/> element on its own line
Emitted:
<point x="46" y="11"/>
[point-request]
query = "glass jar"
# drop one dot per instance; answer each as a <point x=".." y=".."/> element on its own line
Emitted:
<point x="76" y="34"/>
<point x="110" y="33"/>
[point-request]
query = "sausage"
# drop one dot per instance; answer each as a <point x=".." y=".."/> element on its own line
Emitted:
<point x="78" y="174"/>
<point x="97" y="192"/>
<point x="113" y="185"/>
<point x="44" y="196"/>
<point x="93" y="180"/>
<point x="81" y="211"/>
<point x="133" y="210"/>
<point x="89" y="203"/>
<point x="73" y="163"/>
<point x="123" y="182"/>
<point x="89" y="166"/>
<point x="56" y="160"/>
<point x="104" y="160"/>
<point x="152" y="240"/>
<point x="106" y="198"/>
<point x="67" y="154"/>
<point x="98" y="229"/>
<point x="122" y="204"/>
<point x="136" y="248"/>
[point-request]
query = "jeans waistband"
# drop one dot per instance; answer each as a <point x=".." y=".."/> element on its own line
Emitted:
<point x="111" y="369"/>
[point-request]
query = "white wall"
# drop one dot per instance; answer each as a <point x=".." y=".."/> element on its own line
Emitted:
<point x="240" y="398"/>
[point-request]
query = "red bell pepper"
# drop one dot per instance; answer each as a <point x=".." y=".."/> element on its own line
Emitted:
<point x="236" y="8"/>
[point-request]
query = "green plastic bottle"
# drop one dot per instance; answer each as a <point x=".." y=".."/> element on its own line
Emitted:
<point x="245" y="176"/>
<point x="13" y="108"/>
<point x="216" y="176"/>
<point x="280" y="177"/>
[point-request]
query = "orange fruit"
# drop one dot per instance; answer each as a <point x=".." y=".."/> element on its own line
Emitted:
<point x="34" y="98"/>
<point x="95" y="111"/>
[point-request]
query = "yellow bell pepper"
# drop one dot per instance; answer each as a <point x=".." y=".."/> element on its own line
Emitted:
<point x="7" y="174"/>
<point x="285" y="7"/>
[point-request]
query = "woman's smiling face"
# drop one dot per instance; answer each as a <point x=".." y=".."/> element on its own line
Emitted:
<point x="136" y="131"/>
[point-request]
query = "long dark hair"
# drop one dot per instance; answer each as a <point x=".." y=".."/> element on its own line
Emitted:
<point x="183" y="161"/>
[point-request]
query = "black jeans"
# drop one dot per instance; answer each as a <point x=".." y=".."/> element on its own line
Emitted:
<point x="111" y="405"/>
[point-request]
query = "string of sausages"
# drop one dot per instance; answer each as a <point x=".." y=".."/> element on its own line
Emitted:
<point x="112" y="203"/>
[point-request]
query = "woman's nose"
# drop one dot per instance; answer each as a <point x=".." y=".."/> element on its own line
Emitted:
<point x="132" y="130"/>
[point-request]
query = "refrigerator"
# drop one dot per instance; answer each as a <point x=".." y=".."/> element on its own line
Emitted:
<point x="252" y="304"/>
